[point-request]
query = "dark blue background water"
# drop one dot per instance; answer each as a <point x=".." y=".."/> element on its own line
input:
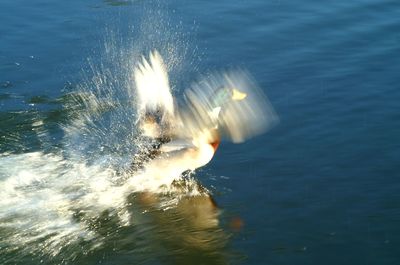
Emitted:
<point x="323" y="186"/>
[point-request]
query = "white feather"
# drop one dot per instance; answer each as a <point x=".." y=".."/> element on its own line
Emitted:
<point x="152" y="85"/>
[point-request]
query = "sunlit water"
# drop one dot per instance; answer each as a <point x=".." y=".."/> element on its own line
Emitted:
<point x="321" y="187"/>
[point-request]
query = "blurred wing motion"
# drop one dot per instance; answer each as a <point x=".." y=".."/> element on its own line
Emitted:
<point x="155" y="104"/>
<point x="231" y="103"/>
<point x="224" y="105"/>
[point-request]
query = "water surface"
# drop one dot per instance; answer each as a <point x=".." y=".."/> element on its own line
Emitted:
<point x="321" y="187"/>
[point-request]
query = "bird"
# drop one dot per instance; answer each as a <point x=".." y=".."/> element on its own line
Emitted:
<point x="178" y="137"/>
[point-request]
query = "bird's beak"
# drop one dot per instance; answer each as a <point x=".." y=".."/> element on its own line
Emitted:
<point x="238" y="95"/>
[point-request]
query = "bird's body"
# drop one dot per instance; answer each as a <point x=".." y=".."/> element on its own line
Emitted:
<point x="184" y="138"/>
<point x="175" y="140"/>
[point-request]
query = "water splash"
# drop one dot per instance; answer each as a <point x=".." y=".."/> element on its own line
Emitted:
<point x="55" y="199"/>
<point x="54" y="202"/>
<point x="58" y="200"/>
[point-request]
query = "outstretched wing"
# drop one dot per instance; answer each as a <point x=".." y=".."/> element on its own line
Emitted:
<point x="152" y="85"/>
<point x="155" y="104"/>
<point x="230" y="102"/>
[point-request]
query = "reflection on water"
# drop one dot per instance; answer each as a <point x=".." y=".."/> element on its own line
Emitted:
<point x="189" y="230"/>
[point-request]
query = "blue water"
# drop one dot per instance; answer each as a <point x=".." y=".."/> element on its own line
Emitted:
<point x="322" y="187"/>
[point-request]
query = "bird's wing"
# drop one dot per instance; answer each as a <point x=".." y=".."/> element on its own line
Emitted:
<point x="230" y="102"/>
<point x="152" y="85"/>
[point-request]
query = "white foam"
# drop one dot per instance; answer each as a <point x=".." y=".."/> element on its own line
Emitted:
<point x="41" y="193"/>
